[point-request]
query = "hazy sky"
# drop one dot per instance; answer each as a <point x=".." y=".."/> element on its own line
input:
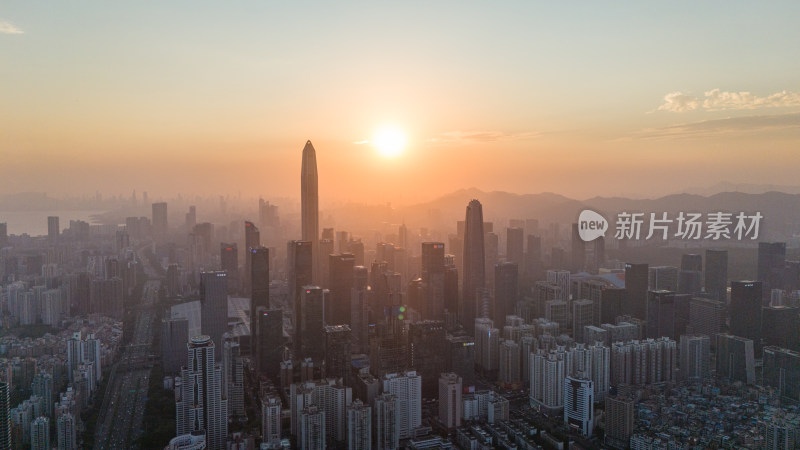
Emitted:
<point x="579" y="98"/>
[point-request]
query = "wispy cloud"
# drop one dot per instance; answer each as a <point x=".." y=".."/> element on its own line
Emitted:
<point x="475" y="136"/>
<point x="9" y="28"/>
<point x="361" y="142"/>
<point x="726" y="126"/>
<point x="717" y="100"/>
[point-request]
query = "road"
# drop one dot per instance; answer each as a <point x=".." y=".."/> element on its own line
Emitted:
<point x="120" y="423"/>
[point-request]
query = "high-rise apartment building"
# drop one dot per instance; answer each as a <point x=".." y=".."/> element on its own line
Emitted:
<point x="5" y="415"/>
<point x="407" y="387"/>
<point x="450" y="403"/>
<point x="387" y="422"/>
<point x="619" y="416"/>
<point x="271" y="418"/>
<point x="735" y="358"/>
<point x="579" y="405"/>
<point x="359" y="426"/>
<point x="199" y="403"/>
<point x="695" y="357"/>
<point x="782" y="371"/>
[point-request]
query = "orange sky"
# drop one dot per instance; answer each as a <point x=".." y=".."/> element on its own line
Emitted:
<point x="581" y="101"/>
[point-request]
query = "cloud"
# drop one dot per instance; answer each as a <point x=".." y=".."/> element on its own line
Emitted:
<point x="679" y="102"/>
<point x="717" y="100"/>
<point x="9" y="28"/>
<point x="361" y="142"/>
<point x="475" y="136"/>
<point x="718" y="127"/>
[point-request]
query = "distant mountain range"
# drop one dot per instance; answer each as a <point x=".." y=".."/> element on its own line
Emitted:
<point x="781" y="211"/>
<point x="746" y="188"/>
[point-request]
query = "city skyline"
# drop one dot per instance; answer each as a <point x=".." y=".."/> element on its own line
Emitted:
<point x="482" y="253"/>
<point x="526" y="98"/>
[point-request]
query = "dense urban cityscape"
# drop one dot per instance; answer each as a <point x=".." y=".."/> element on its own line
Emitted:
<point x="354" y="225"/>
<point x="152" y="334"/>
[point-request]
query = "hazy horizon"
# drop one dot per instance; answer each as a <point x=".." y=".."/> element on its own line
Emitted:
<point x="581" y="100"/>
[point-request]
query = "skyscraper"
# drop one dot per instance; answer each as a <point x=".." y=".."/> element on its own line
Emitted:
<point x="233" y="377"/>
<point x="426" y="345"/>
<point x="780" y="326"/>
<point x="267" y="341"/>
<point x="782" y="371"/>
<point x="338" y="341"/>
<point x="735" y="359"/>
<point x="337" y="305"/>
<point x="214" y="306"/>
<point x="359" y="307"/>
<point x="174" y="336"/>
<point x="309" y="338"/>
<point x="474" y="264"/>
<point x="506" y="285"/>
<point x="159" y="219"/>
<point x="460" y="358"/>
<point x="771" y="264"/>
<point x="745" y="310"/>
<point x="533" y="257"/>
<point x="660" y="314"/>
<point x="716" y="274"/>
<point x="663" y="278"/>
<point x="52" y="228"/>
<point x="199" y="405"/>
<point x="252" y="240"/>
<point x="636" y="281"/>
<point x="515" y="245"/>
<point x="229" y="262"/>
<point x="309" y="205"/>
<point x="433" y="280"/>
<point x="298" y="271"/>
<point x="577" y="250"/>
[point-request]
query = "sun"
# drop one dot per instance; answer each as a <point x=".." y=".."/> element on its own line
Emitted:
<point x="389" y="141"/>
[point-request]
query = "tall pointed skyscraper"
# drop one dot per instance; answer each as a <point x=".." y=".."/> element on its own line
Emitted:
<point x="474" y="259"/>
<point x="309" y="204"/>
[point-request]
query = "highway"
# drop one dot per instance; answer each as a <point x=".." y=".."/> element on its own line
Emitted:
<point x="120" y="420"/>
